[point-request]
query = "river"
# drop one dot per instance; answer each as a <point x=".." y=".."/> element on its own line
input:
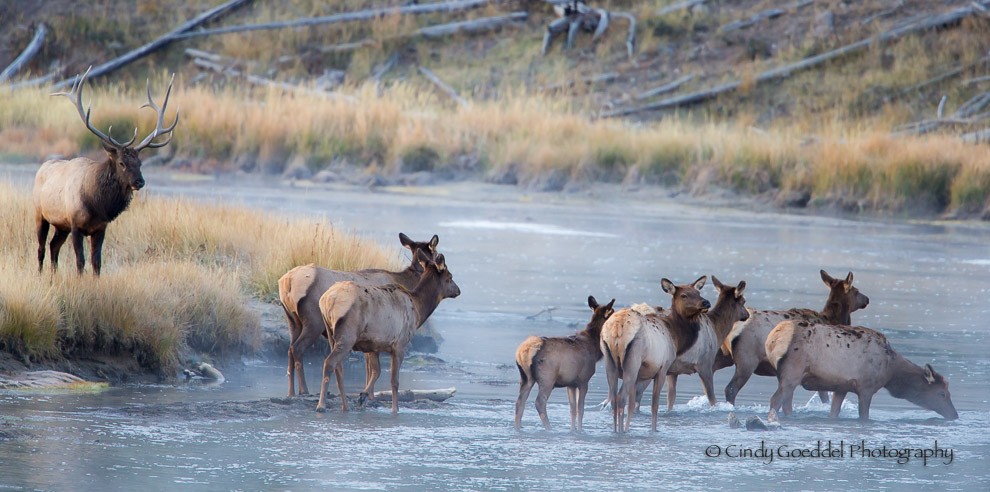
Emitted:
<point x="515" y="254"/>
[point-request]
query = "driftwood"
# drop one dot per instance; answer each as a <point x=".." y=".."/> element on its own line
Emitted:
<point x="965" y="115"/>
<point x="761" y="16"/>
<point x="159" y="43"/>
<point x="474" y="26"/>
<point x="361" y="15"/>
<point x="678" y="6"/>
<point x="32" y="49"/>
<point x="412" y="395"/>
<point x="576" y="15"/>
<point x="663" y="89"/>
<point x="951" y="17"/>
<point x="442" y="85"/>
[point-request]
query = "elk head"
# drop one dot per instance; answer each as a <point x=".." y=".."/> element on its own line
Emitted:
<point x="448" y="289"/>
<point x="687" y="301"/>
<point x="843" y="298"/>
<point x="428" y="247"/>
<point x="733" y="295"/>
<point x="601" y="312"/>
<point x="124" y="159"/>
<point x="932" y="393"/>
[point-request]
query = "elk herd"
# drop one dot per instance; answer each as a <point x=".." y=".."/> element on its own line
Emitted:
<point x="376" y="311"/>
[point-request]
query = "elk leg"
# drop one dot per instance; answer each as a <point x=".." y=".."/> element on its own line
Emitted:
<point x="708" y="384"/>
<point x="42" y="230"/>
<point x="372" y="371"/>
<point x="864" y="405"/>
<point x="612" y="378"/>
<point x="655" y="404"/>
<point x="542" y="395"/>
<point x="823" y="396"/>
<point x="671" y="391"/>
<point x="58" y="239"/>
<point x="739" y="378"/>
<point x="525" y="386"/>
<point x="582" y="392"/>
<point x="396" y="362"/>
<point x="96" y="250"/>
<point x="332" y="363"/>
<point x="77" y="246"/>
<point x="784" y="392"/>
<point x="640" y="390"/>
<point x="295" y="327"/>
<point x="837" y="399"/>
<point x="572" y="403"/>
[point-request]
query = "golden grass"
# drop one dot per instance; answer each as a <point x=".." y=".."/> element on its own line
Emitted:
<point x="176" y="274"/>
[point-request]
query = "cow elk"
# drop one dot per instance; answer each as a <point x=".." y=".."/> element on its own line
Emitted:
<point x="642" y="347"/>
<point x="80" y="197"/>
<point x="555" y="362"/>
<point x="300" y="290"/>
<point x="746" y="342"/>
<point x="849" y="359"/>
<point x="380" y="319"/>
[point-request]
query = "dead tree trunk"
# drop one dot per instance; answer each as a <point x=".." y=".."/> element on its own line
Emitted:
<point x="32" y="49"/>
<point x="437" y="81"/>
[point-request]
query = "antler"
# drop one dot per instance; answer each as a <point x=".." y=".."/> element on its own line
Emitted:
<point x="76" y="94"/>
<point x="159" y="129"/>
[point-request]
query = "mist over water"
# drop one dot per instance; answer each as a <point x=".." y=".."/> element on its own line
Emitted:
<point x="515" y="255"/>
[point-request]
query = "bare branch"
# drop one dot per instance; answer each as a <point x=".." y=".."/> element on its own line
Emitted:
<point x="32" y="49"/>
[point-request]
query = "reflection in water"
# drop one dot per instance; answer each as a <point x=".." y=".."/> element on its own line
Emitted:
<point x="512" y="258"/>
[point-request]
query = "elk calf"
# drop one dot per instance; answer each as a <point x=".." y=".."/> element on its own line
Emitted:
<point x="300" y="290"/>
<point x="642" y="347"/>
<point x="849" y="359"/>
<point x="380" y="319"/>
<point x="80" y="197"/>
<point x="746" y="342"/>
<point x="554" y="362"/>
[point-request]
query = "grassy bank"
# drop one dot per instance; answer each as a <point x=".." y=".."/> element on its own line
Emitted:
<point x="176" y="276"/>
<point x="537" y="141"/>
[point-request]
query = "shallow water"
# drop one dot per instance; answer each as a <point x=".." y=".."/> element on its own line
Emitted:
<point x="514" y="255"/>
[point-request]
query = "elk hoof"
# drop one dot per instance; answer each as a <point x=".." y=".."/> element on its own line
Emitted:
<point x="362" y="398"/>
<point x="320" y="409"/>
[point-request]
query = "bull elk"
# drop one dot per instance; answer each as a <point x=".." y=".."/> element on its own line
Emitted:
<point x="380" y="319"/>
<point x="554" y="362"/>
<point x="849" y="359"/>
<point x="300" y="290"/>
<point x="746" y="342"/>
<point x="80" y="197"/>
<point x="642" y="347"/>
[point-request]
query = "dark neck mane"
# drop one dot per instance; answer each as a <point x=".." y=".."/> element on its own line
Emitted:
<point x="685" y="331"/>
<point x="722" y="317"/>
<point x="906" y="378"/>
<point x="836" y="309"/>
<point x="426" y="296"/>
<point x="111" y="194"/>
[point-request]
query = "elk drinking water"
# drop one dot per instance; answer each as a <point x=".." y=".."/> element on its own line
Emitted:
<point x="380" y="319"/>
<point x="844" y="359"/>
<point x="80" y="197"/>
<point x="300" y="290"/>
<point x="747" y="339"/>
<point x="642" y="347"/>
<point x="554" y="362"/>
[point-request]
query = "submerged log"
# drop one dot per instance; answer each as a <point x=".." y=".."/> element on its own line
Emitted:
<point x="412" y="395"/>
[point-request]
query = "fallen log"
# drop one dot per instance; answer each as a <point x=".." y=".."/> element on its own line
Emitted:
<point x="446" y="89"/>
<point x="761" y="16"/>
<point x="593" y="79"/>
<point x="32" y="49"/>
<point x="262" y="81"/>
<point x="470" y="27"/>
<point x="412" y="395"/>
<point x="361" y="15"/>
<point x="663" y="89"/>
<point x="678" y="6"/>
<point x="785" y="71"/>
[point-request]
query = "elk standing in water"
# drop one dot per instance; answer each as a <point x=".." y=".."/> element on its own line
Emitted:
<point x="640" y="347"/>
<point x="80" y="197"/>
<point x="300" y="290"/>
<point x="746" y="342"/>
<point x="380" y="319"/>
<point x="554" y="362"/>
<point x="844" y="359"/>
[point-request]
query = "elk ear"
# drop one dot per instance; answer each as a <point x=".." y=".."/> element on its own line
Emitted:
<point x="434" y="241"/>
<point x="421" y="257"/>
<point x="404" y="239"/>
<point x="441" y="264"/>
<point x="110" y="150"/>
<point x="700" y="283"/>
<point x="718" y="285"/>
<point x="667" y="286"/>
<point x="930" y="374"/>
<point x="739" y="288"/>
<point x="829" y="281"/>
<point x="592" y="303"/>
<point x="849" y="281"/>
<point x="609" y="305"/>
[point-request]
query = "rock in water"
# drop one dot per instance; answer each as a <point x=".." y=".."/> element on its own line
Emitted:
<point x="734" y="421"/>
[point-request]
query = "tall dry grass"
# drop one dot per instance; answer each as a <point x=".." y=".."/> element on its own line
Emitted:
<point x="176" y="275"/>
